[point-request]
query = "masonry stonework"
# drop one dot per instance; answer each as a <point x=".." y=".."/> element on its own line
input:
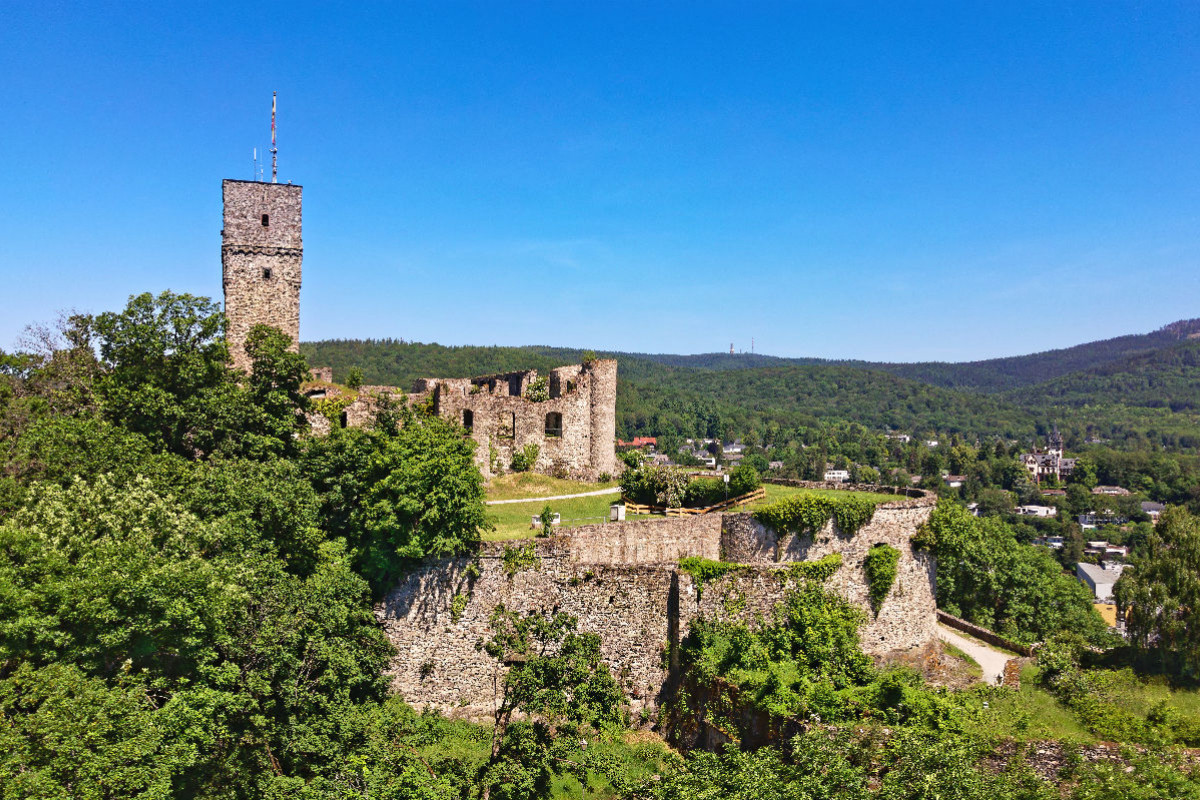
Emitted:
<point x="261" y="254"/>
<point x="573" y="424"/>
<point x="622" y="581"/>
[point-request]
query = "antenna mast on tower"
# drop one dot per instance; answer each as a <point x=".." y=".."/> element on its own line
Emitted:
<point x="274" y="149"/>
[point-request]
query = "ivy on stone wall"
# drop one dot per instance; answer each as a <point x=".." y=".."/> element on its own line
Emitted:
<point x="519" y="558"/>
<point x="820" y="570"/>
<point x="332" y="407"/>
<point x="808" y="513"/>
<point x="458" y="605"/>
<point x="703" y="570"/>
<point x="880" y="568"/>
<point x="539" y="390"/>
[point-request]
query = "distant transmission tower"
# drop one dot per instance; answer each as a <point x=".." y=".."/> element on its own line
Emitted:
<point x="274" y="149"/>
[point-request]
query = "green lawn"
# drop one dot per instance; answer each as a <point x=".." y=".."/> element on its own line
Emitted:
<point x="1031" y="714"/>
<point x="529" y="484"/>
<point x="512" y="519"/>
<point x="775" y="493"/>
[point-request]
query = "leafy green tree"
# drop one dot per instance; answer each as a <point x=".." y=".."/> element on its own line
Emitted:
<point x="166" y="372"/>
<point x="276" y="374"/>
<point x="354" y="378"/>
<point x="239" y="660"/>
<point x="67" y="736"/>
<point x="556" y="678"/>
<point x="421" y="496"/>
<point x="987" y="576"/>
<point x="1160" y="594"/>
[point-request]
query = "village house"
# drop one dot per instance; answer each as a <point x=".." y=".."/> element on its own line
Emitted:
<point x="1036" y="511"/>
<point x="1153" y="510"/>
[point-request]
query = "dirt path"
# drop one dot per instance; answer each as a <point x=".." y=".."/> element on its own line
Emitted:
<point x="991" y="660"/>
<point x="610" y="490"/>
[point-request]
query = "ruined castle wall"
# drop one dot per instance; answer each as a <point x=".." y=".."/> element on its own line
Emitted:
<point x="621" y="581"/>
<point x="503" y="420"/>
<point x="439" y="665"/>
<point x="603" y="456"/>
<point x="908" y="616"/>
<point x="655" y="541"/>
<point x="261" y="263"/>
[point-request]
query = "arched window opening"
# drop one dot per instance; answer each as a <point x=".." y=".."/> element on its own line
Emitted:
<point x="266" y="273"/>
<point x="554" y="424"/>
<point x="344" y="420"/>
<point x="468" y="418"/>
<point x="266" y="220"/>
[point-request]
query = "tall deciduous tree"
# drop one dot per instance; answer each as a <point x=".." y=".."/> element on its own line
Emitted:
<point x="1161" y="594"/>
<point x="554" y="677"/>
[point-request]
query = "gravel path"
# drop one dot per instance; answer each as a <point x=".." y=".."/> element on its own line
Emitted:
<point x="991" y="660"/>
<point x="610" y="490"/>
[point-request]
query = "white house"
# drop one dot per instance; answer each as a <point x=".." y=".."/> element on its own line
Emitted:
<point x="837" y="475"/>
<point x="1037" y="511"/>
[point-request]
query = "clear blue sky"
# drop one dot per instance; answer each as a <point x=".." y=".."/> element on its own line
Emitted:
<point x="897" y="181"/>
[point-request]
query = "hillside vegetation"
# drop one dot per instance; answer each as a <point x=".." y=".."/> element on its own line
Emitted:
<point x="1138" y="389"/>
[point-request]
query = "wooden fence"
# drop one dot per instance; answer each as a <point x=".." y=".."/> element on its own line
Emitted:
<point x="751" y="497"/>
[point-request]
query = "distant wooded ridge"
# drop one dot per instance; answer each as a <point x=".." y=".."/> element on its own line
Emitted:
<point x="1140" y="385"/>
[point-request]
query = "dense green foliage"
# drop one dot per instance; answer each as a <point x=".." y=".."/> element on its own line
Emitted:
<point x="880" y="568"/>
<point x="184" y="600"/>
<point x="807" y="514"/>
<point x="1161" y="595"/>
<point x="557" y="682"/>
<point x="987" y="576"/>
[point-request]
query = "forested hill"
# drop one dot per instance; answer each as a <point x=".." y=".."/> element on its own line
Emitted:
<point x="991" y="375"/>
<point x="1165" y="378"/>
<point x="1141" y="389"/>
<point x="659" y="399"/>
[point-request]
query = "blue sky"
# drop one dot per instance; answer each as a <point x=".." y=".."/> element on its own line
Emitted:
<point x="887" y="181"/>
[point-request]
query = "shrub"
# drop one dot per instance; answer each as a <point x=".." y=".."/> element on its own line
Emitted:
<point x="547" y="520"/>
<point x="808" y="513"/>
<point x="654" y="484"/>
<point x="539" y="390"/>
<point x="880" y="568"/>
<point x="524" y="459"/>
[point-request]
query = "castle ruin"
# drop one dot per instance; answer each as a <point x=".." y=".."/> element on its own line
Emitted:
<point x="569" y="414"/>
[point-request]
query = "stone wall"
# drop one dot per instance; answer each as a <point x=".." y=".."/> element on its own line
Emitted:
<point x="908" y="615"/>
<point x="261" y="263"/>
<point x="656" y="541"/>
<point x="439" y="664"/>
<point x="622" y="581"/>
<point x="574" y="429"/>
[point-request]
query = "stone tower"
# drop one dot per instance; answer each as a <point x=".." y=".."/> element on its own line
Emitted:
<point x="604" y="416"/>
<point x="261" y="251"/>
